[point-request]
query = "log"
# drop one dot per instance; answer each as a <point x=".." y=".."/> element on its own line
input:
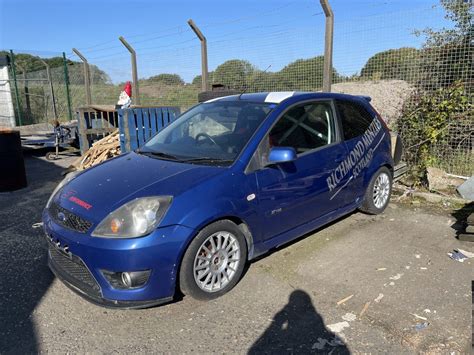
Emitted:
<point x="103" y="149"/>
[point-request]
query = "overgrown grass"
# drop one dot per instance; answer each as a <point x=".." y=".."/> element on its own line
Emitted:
<point x="459" y="163"/>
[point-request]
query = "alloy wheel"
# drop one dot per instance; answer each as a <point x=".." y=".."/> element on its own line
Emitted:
<point x="381" y="190"/>
<point x="216" y="261"/>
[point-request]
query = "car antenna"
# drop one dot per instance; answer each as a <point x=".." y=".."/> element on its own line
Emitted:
<point x="253" y="81"/>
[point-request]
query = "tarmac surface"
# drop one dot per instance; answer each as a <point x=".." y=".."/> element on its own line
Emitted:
<point x="403" y="293"/>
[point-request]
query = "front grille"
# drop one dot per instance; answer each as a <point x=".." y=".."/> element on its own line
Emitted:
<point x="70" y="220"/>
<point x="73" y="269"/>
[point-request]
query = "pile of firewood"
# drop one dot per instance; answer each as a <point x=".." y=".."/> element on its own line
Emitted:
<point x="100" y="151"/>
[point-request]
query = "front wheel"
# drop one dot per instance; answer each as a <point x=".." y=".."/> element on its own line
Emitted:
<point x="214" y="261"/>
<point x="378" y="192"/>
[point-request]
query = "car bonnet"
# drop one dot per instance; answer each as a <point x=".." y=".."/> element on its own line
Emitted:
<point x="103" y="188"/>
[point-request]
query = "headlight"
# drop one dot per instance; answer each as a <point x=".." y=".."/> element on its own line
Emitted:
<point x="67" y="179"/>
<point x="134" y="219"/>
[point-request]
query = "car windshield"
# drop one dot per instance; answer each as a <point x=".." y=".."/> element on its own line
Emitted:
<point x="209" y="133"/>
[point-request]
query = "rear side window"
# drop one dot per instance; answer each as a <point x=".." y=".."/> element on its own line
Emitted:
<point x="355" y="118"/>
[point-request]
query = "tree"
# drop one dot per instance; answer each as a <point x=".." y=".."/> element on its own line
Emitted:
<point x="166" y="79"/>
<point x="402" y="64"/>
<point x="446" y="56"/>
<point x="98" y="76"/>
<point x="197" y="80"/>
<point x="304" y="74"/>
<point x="33" y="63"/>
<point x="30" y="63"/>
<point x="233" y="73"/>
<point x="264" y="81"/>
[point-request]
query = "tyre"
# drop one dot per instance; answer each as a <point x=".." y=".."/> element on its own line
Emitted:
<point x="378" y="192"/>
<point x="214" y="261"/>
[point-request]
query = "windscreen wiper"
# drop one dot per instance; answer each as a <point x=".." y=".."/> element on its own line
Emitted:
<point x="207" y="159"/>
<point x="161" y="155"/>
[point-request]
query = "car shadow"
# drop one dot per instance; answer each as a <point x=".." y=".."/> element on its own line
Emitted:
<point x="298" y="328"/>
<point x="23" y="256"/>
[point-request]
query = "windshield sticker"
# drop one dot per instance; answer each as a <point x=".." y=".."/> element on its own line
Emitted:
<point x="358" y="158"/>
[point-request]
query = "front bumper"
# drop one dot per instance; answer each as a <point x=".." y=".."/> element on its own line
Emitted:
<point x="93" y="293"/>
<point x="78" y="260"/>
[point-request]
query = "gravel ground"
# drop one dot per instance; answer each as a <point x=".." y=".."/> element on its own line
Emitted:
<point x="387" y="96"/>
<point x="395" y="263"/>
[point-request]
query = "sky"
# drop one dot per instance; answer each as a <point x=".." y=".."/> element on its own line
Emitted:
<point x="265" y="32"/>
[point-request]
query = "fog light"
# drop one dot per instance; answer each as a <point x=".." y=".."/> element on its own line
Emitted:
<point x="127" y="279"/>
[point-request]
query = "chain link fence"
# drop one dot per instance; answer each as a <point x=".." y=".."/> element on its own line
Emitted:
<point x="38" y="87"/>
<point x="420" y="78"/>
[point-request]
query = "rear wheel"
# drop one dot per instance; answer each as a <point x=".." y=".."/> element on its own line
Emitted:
<point x="214" y="261"/>
<point x="378" y="192"/>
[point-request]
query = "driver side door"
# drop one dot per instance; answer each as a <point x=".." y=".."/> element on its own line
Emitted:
<point x="294" y="193"/>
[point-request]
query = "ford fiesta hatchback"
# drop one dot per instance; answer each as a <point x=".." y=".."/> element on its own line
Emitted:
<point x="227" y="181"/>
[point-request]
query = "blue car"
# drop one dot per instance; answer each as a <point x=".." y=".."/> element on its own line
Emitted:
<point x="229" y="180"/>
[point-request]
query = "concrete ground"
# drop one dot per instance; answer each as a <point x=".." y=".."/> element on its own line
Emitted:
<point x="392" y="269"/>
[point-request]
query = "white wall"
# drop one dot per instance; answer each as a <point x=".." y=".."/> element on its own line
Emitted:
<point x="7" y="114"/>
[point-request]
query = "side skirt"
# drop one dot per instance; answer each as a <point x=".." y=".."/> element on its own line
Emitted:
<point x="286" y="237"/>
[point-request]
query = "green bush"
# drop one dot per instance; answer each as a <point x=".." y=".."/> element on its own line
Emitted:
<point x="440" y="118"/>
<point x="402" y="64"/>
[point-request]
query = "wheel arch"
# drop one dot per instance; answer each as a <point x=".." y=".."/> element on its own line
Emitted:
<point x="378" y="162"/>
<point x="241" y="224"/>
<point x="389" y="167"/>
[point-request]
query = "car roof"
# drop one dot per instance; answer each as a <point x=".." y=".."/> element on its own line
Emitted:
<point x="277" y="97"/>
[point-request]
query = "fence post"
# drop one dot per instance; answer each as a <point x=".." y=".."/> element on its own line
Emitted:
<point x="27" y="94"/>
<point x="328" y="40"/>
<point x="133" y="56"/>
<point x="204" y="69"/>
<point x="17" y="96"/>
<point x="82" y="124"/>
<point x="68" y="94"/>
<point x="51" y="88"/>
<point x="87" y="80"/>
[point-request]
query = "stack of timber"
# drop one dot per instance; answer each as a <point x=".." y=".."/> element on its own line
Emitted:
<point x="100" y="151"/>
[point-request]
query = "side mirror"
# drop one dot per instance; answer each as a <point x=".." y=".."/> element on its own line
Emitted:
<point x="281" y="155"/>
